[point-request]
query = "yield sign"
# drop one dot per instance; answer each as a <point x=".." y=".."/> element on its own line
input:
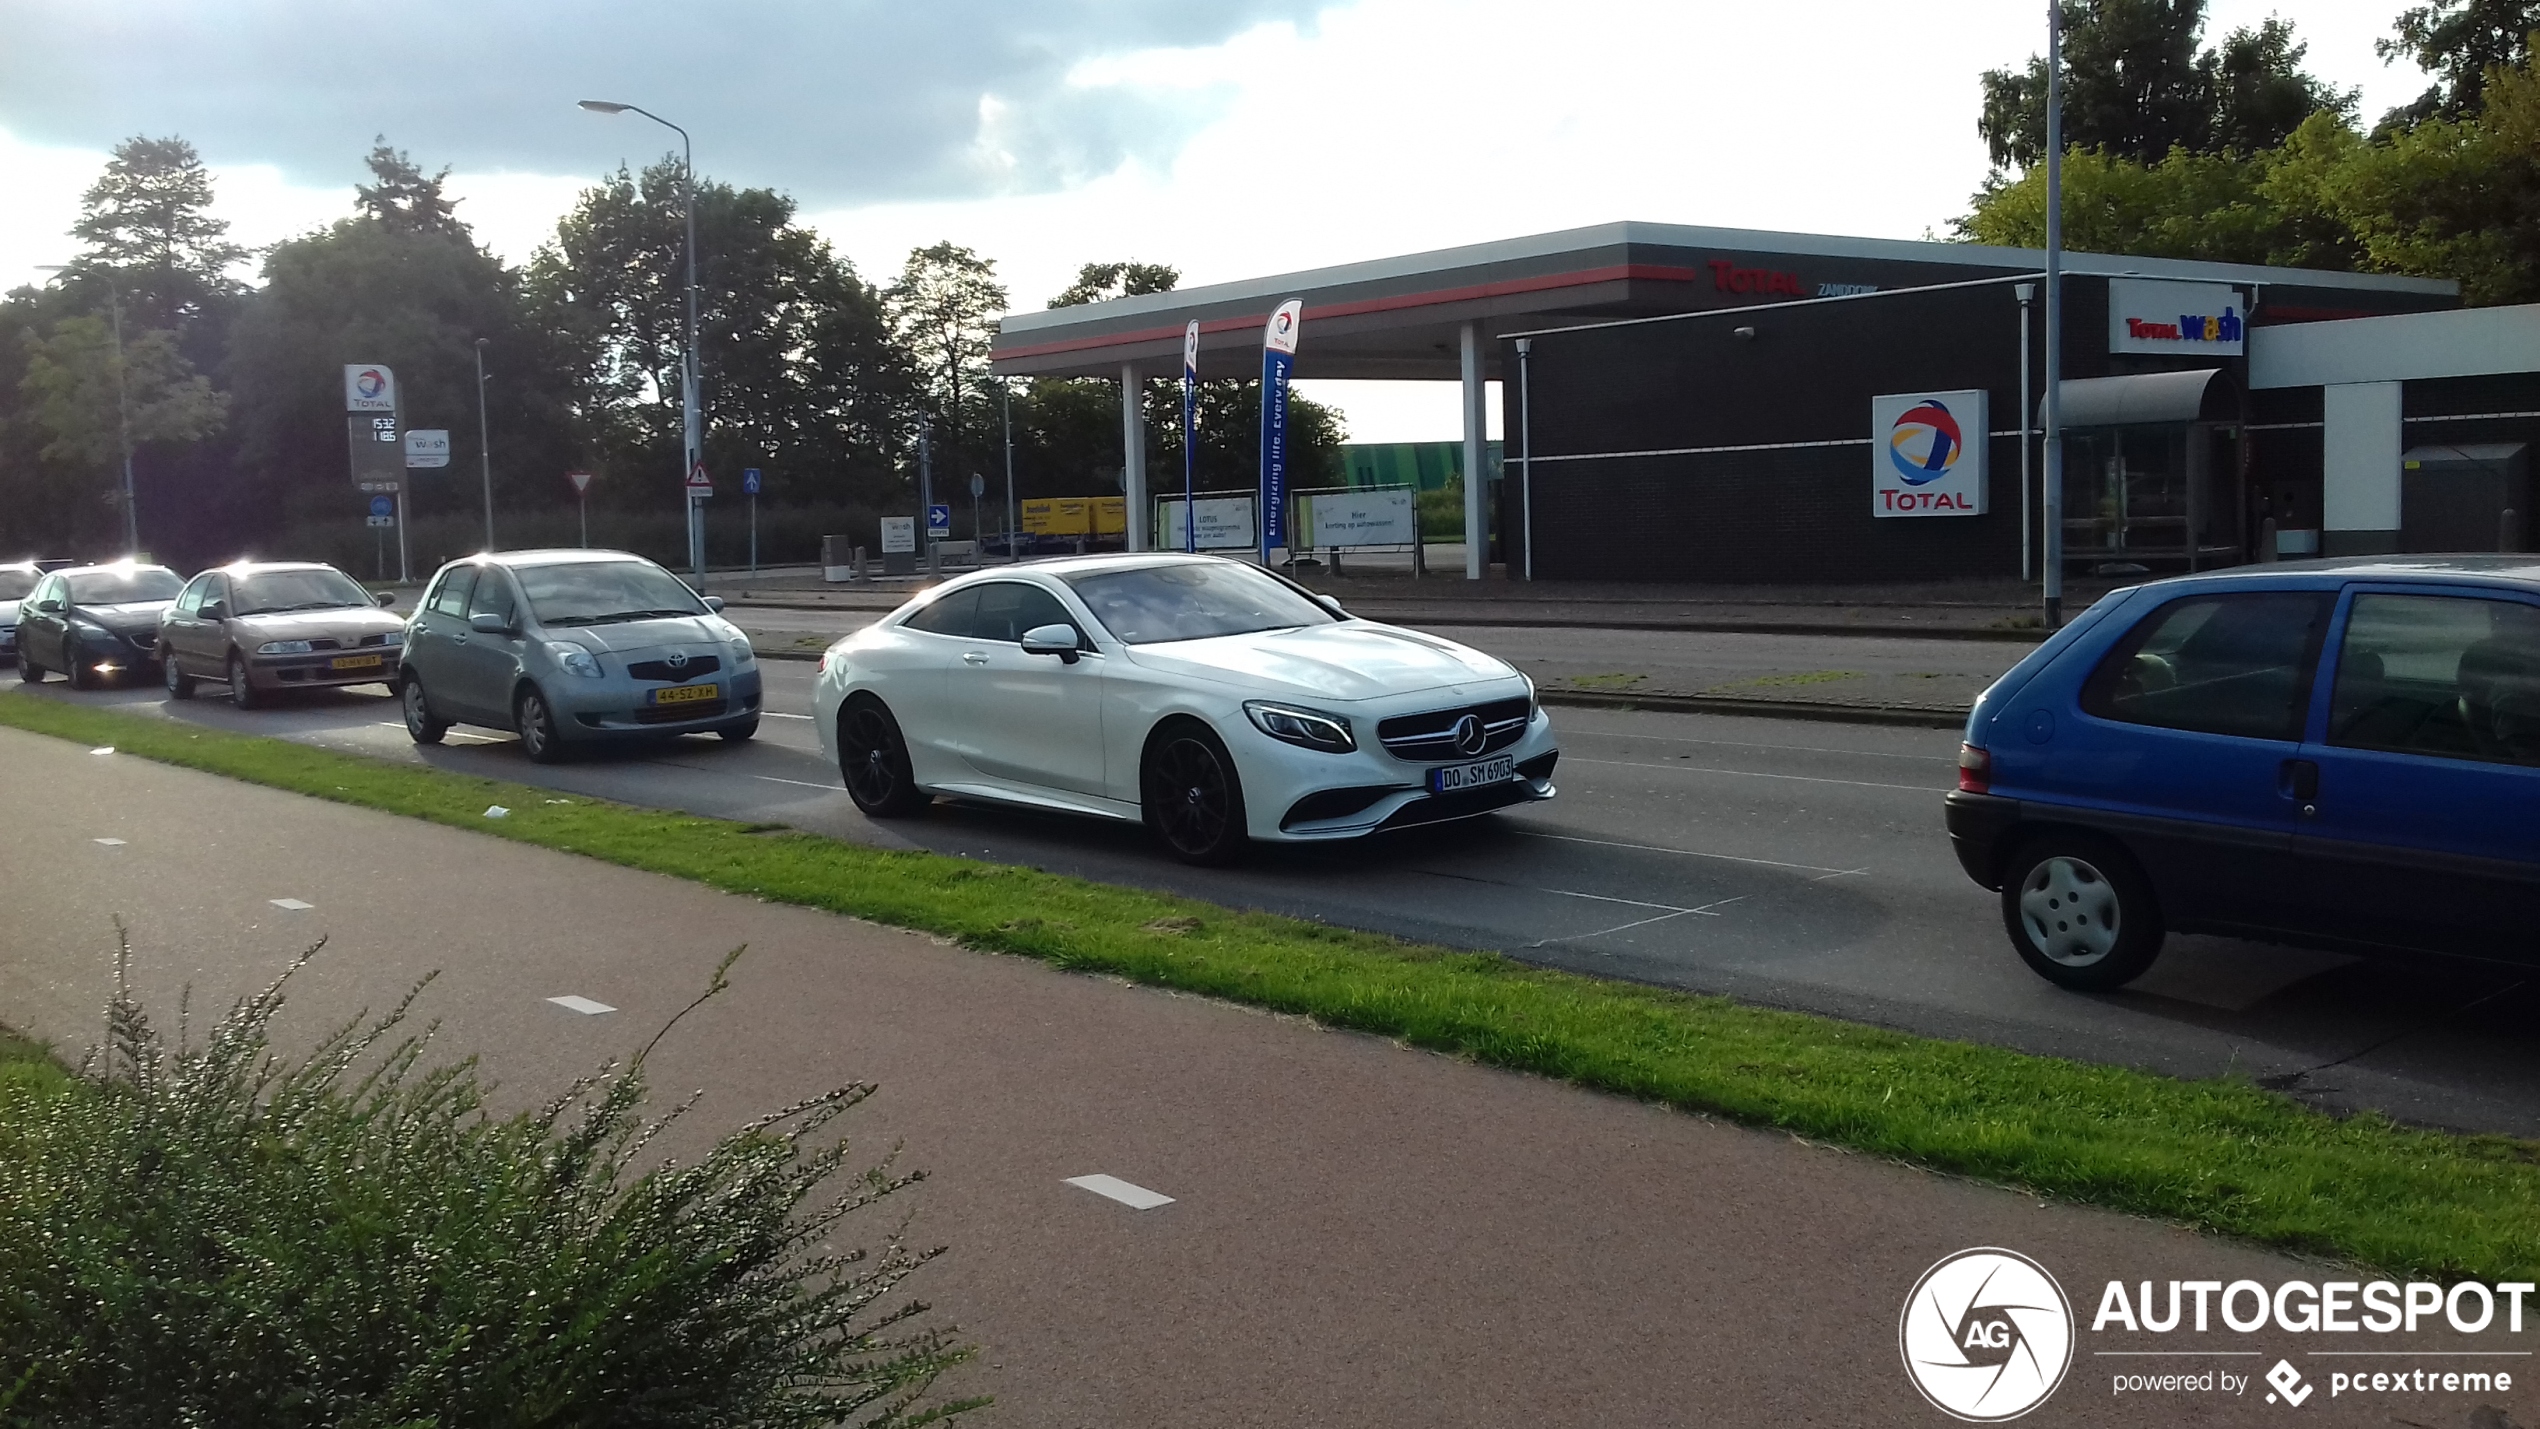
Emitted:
<point x="698" y="480"/>
<point x="581" y="481"/>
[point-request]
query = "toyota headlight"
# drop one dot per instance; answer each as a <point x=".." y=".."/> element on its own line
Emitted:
<point x="575" y="659"/>
<point x="1309" y="729"/>
<point x="285" y="647"/>
<point x="743" y="657"/>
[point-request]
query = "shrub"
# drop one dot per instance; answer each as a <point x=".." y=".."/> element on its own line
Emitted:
<point x="221" y="1235"/>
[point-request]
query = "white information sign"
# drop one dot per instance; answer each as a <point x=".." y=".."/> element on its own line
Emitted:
<point x="2194" y="319"/>
<point x="899" y="535"/>
<point x="1927" y="454"/>
<point x="1384" y="517"/>
<point x="426" y="448"/>
<point x="1225" y="524"/>
<point x="369" y="387"/>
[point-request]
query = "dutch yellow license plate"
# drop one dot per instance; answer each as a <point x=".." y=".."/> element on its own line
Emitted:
<point x="356" y="662"/>
<point x="688" y="695"/>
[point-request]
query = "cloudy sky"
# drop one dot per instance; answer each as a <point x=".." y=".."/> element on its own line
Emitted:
<point x="1227" y="137"/>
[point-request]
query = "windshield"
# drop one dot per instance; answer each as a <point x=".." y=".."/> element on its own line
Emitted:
<point x="272" y="592"/>
<point x="123" y="587"/>
<point x="1148" y="605"/>
<point x="15" y="584"/>
<point x="601" y="592"/>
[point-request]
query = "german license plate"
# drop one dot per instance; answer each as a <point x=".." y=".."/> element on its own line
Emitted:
<point x="1472" y="776"/>
<point x="355" y="662"/>
<point x="688" y="695"/>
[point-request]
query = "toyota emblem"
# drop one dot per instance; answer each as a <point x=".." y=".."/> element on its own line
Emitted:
<point x="677" y="660"/>
<point x="1469" y="738"/>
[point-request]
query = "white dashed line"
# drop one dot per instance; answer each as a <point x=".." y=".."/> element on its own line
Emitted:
<point x="797" y="783"/>
<point x="780" y="714"/>
<point x="1136" y="1198"/>
<point x="110" y="843"/>
<point x="574" y="1002"/>
<point x="290" y="905"/>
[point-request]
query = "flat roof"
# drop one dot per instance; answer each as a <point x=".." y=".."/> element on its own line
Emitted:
<point x="1401" y="317"/>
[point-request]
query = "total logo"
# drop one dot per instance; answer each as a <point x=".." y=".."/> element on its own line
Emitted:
<point x="1925" y="443"/>
<point x="2190" y="327"/>
<point x="1986" y="1335"/>
<point x="369" y="383"/>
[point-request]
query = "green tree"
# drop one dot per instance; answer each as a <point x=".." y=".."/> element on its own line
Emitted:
<point x="943" y="312"/>
<point x="2137" y="86"/>
<point x="87" y="398"/>
<point x="404" y="198"/>
<point x="1101" y="282"/>
<point x="148" y="220"/>
<point x="2459" y="42"/>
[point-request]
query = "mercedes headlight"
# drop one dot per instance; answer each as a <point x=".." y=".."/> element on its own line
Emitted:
<point x="285" y="647"/>
<point x="575" y="659"/>
<point x="1310" y="729"/>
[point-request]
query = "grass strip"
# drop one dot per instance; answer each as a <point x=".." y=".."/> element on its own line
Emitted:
<point x="2223" y="1155"/>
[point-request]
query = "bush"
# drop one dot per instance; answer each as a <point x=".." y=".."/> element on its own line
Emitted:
<point x="218" y="1235"/>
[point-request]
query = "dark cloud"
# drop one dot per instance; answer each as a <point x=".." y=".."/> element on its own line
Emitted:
<point x="856" y="100"/>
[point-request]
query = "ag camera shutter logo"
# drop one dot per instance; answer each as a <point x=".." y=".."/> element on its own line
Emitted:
<point x="1986" y="1335"/>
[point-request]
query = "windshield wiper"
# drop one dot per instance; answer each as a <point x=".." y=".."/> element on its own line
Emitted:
<point x="626" y="615"/>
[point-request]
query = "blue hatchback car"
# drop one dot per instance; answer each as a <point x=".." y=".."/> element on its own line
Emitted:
<point x="2341" y="754"/>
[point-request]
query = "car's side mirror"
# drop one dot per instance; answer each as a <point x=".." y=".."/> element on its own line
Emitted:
<point x="52" y="607"/>
<point x="1059" y="640"/>
<point x="212" y="610"/>
<point x="485" y="622"/>
<point x="387" y="597"/>
<point x="715" y="604"/>
<point x="1331" y="603"/>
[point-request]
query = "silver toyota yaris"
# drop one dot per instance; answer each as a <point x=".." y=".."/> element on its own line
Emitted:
<point x="574" y="648"/>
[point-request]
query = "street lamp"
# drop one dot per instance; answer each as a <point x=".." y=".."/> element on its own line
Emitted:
<point x="484" y="453"/>
<point x="690" y="419"/>
<point x="123" y="409"/>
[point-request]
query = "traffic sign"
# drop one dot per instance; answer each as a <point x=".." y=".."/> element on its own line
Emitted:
<point x="939" y="520"/>
<point x="699" y="482"/>
<point x="581" y="481"/>
<point x="382" y="506"/>
<point x="978" y="486"/>
<point x="749" y="481"/>
<point x="383" y="521"/>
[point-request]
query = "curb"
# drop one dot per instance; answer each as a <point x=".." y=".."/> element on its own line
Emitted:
<point x="1906" y="716"/>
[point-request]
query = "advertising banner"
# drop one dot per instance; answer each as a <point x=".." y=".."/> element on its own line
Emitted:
<point x="899" y="535"/>
<point x="1278" y="357"/>
<point x="1386" y="517"/>
<point x="1927" y="454"/>
<point x="426" y="449"/>
<point x="1110" y="514"/>
<point x="1057" y="516"/>
<point x="1225" y="523"/>
<point x="369" y="387"/>
<point x="2193" y="319"/>
<point x="1190" y="415"/>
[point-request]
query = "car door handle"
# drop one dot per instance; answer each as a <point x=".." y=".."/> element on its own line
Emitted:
<point x="975" y="657"/>
<point x="2299" y="780"/>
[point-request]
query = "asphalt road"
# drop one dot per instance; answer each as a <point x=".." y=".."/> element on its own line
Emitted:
<point x="1793" y="863"/>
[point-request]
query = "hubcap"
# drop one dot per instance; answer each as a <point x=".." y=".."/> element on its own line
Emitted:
<point x="1197" y="817"/>
<point x="2070" y="910"/>
<point x="533" y="723"/>
<point x="868" y="762"/>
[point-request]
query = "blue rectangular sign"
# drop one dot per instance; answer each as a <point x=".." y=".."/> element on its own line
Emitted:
<point x="1274" y="446"/>
<point x="939" y="520"/>
<point x="749" y="481"/>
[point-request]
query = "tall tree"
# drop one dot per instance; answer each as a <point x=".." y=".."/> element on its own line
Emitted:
<point x="1101" y="282"/>
<point x="89" y="397"/>
<point x="402" y="198"/>
<point x="943" y="310"/>
<point x="2137" y="85"/>
<point x="2459" y="42"/>
<point x="148" y="220"/>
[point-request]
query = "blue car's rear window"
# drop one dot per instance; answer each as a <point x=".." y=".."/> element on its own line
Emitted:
<point x="2234" y="664"/>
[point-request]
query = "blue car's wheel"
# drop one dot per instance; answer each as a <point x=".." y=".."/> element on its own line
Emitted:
<point x="2080" y="913"/>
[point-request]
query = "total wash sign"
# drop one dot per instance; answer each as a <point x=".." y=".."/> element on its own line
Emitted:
<point x="1927" y="454"/>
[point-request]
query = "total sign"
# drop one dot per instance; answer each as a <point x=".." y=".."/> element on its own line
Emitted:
<point x="369" y="387"/>
<point x="1927" y="454"/>
<point x="2198" y="319"/>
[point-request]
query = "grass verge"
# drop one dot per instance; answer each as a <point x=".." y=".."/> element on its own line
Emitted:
<point x="2222" y="1155"/>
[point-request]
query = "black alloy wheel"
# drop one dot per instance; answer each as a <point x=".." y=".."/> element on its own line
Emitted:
<point x="873" y="761"/>
<point x="421" y="727"/>
<point x="180" y="684"/>
<point x="1193" y="799"/>
<point x="2080" y="912"/>
<point x="539" y="737"/>
<point x="242" y="691"/>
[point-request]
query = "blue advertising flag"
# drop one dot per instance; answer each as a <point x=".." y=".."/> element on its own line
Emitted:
<point x="1278" y="357"/>
<point x="1190" y="432"/>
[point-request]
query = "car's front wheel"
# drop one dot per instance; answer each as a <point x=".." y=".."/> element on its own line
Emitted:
<point x="75" y="670"/>
<point x="180" y="684"/>
<point x="29" y="672"/>
<point x="873" y="760"/>
<point x="540" y="739"/>
<point x="242" y="690"/>
<point x="2079" y="911"/>
<point x="1193" y="799"/>
<point x="741" y="733"/>
<point x="421" y="727"/>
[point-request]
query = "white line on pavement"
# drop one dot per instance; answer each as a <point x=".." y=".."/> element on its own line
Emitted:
<point x="575" y="1002"/>
<point x="290" y="905"/>
<point x="780" y="714"/>
<point x="798" y="783"/>
<point x="1688" y="853"/>
<point x="1751" y="744"/>
<point x="1704" y="910"/>
<point x="110" y="843"/>
<point x="1135" y="1197"/>
<point x="1755" y="774"/>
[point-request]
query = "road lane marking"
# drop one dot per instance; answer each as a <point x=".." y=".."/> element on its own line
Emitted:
<point x="110" y="843"/>
<point x="1950" y="759"/>
<point x="780" y="714"/>
<point x="575" y="1002"/>
<point x="290" y="905"/>
<point x="1704" y="910"/>
<point x="1757" y="774"/>
<point x="1691" y="853"/>
<point x="452" y="734"/>
<point x="1135" y="1197"/>
<point x="797" y="783"/>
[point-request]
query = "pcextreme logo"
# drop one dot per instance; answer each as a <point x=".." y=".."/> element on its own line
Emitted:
<point x="1986" y="1335"/>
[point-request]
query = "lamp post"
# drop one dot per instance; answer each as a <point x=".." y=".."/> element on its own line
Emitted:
<point x="2051" y="499"/>
<point x="691" y="420"/>
<point x="484" y="452"/>
<point x="123" y="410"/>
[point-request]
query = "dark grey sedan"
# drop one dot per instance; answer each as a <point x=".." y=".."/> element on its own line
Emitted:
<point x="94" y="622"/>
<point x="573" y="649"/>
